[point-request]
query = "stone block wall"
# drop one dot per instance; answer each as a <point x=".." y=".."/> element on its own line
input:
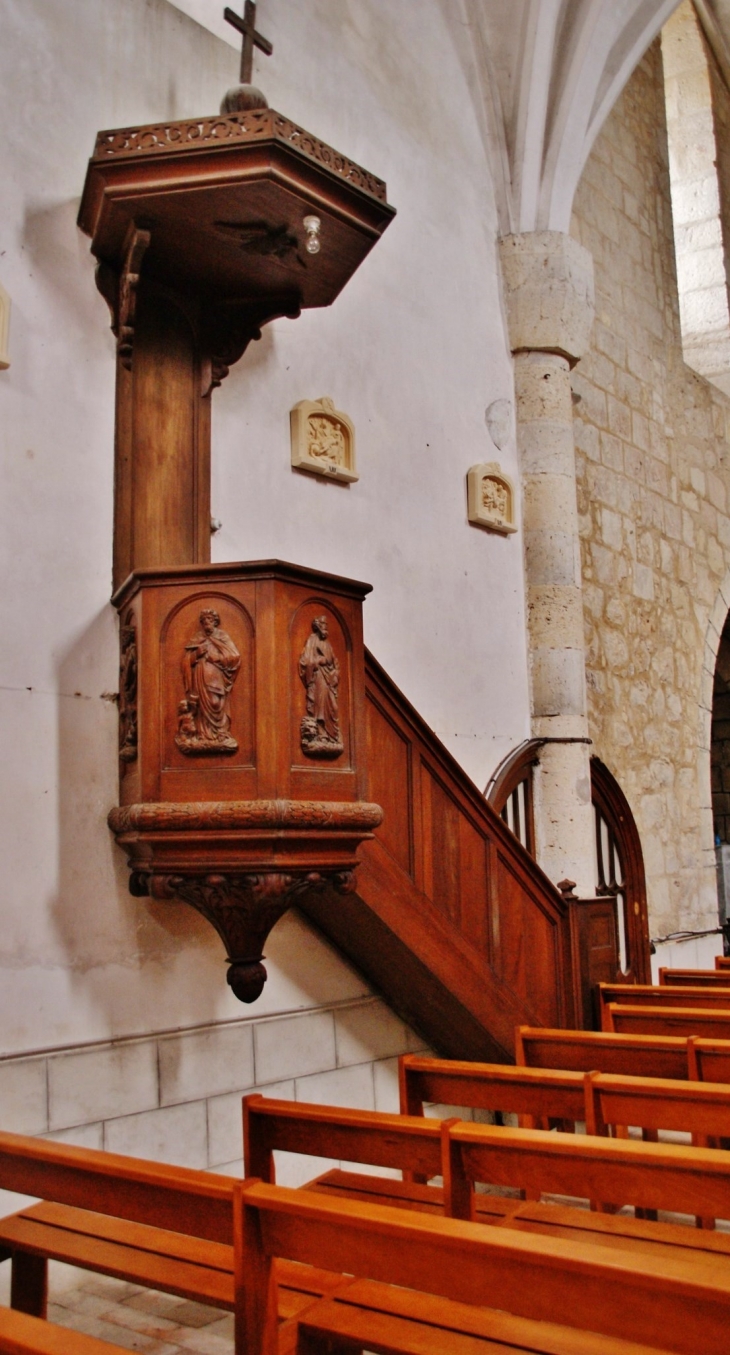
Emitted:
<point x="653" y="480"/>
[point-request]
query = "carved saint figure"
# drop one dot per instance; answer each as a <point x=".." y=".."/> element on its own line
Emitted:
<point x="320" y="673"/>
<point x="210" y="667"/>
<point x="495" y="498"/>
<point x="128" y="691"/>
<point x="326" y="439"/>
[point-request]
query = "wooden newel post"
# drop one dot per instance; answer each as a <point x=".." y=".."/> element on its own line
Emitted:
<point x="241" y="744"/>
<point x="595" y="949"/>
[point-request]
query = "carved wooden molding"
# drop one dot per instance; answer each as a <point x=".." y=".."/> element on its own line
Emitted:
<point x="168" y="817"/>
<point x="228" y="330"/>
<point x="120" y="290"/>
<point x="251" y="125"/>
<point x="243" y="908"/>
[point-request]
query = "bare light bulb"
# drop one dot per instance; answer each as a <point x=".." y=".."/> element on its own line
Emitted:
<point x="312" y="226"/>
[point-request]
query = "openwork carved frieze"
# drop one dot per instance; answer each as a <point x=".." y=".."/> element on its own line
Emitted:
<point x="250" y="125"/>
<point x="491" y="498"/>
<point x="210" y="666"/>
<point x="319" y="671"/>
<point x="323" y="440"/>
<point x="243" y="908"/>
<point x="128" y="690"/>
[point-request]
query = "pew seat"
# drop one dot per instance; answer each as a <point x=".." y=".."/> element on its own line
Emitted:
<point x="163" y="1227"/>
<point x="389" y="1320"/>
<point x="21" y="1334"/>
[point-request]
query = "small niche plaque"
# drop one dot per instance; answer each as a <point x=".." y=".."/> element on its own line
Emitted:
<point x="491" y="498"/>
<point x="323" y="440"/>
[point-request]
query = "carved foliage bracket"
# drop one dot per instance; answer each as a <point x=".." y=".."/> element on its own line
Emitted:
<point x="243" y="908"/>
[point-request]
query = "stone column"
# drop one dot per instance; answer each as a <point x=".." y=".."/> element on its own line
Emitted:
<point x="548" y="282"/>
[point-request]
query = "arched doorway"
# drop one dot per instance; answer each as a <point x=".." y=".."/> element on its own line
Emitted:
<point x="619" y="860"/>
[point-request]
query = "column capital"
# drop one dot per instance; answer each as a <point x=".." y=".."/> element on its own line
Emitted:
<point x="548" y="289"/>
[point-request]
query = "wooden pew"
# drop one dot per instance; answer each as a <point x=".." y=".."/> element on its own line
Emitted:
<point x="168" y="1228"/>
<point x="586" y="1050"/>
<point x="647" y="1176"/>
<point x="694" y="978"/>
<point x="623" y="1296"/>
<point x="677" y="1021"/>
<point x="24" y="1335"/>
<point x="722" y="962"/>
<point x="657" y="1103"/>
<point x="646" y="995"/>
<point x="708" y="1060"/>
<point x="409" y="1144"/>
<point x="533" y="1094"/>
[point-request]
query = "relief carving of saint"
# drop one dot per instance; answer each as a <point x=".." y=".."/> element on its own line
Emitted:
<point x="495" y="498"/>
<point x="320" y="674"/>
<point x="209" y="668"/>
<point x="128" y="692"/>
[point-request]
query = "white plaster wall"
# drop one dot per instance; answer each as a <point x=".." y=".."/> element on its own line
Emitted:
<point x="414" y="350"/>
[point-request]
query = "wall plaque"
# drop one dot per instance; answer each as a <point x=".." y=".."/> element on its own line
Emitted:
<point x="323" y="440"/>
<point x="491" y="498"/>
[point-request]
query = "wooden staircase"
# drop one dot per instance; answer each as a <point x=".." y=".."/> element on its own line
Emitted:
<point x="451" y="920"/>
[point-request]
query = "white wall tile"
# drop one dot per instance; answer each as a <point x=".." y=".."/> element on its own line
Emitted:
<point x="82" y="1136"/>
<point x="100" y="1084"/>
<point x="296" y="1169"/>
<point x="385" y="1080"/>
<point x="371" y="1031"/>
<point x="225" y="1122"/>
<point x="23" y="1107"/>
<point x="205" y="1063"/>
<point x="294" y="1045"/>
<point x="229" y="1168"/>
<point x="175" y="1134"/>
<point x="341" y="1087"/>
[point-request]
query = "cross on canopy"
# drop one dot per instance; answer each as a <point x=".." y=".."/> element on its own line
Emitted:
<point x="247" y="27"/>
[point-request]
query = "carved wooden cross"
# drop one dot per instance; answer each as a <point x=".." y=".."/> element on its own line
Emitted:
<point x="247" y="27"/>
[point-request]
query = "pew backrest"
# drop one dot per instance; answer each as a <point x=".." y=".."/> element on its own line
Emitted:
<point x="676" y="1020"/>
<point x="656" y="1103"/>
<point x="176" y="1198"/>
<point x="722" y="962"/>
<point x="646" y="995"/>
<point x="531" y="1093"/>
<point x="586" y="1050"/>
<point x="664" y="1176"/>
<point x="708" y="1060"/>
<point x="625" y="1295"/>
<point x="407" y="1143"/>
<point x="693" y="978"/>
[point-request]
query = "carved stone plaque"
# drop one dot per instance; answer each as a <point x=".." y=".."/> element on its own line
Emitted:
<point x="319" y="671"/>
<point x="210" y="665"/>
<point x="491" y="498"/>
<point x="323" y="440"/>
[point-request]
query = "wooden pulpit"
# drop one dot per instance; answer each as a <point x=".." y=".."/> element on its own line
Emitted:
<point x="241" y="685"/>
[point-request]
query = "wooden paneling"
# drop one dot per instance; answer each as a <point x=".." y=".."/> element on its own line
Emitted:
<point x="389" y="760"/>
<point x="451" y="918"/>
